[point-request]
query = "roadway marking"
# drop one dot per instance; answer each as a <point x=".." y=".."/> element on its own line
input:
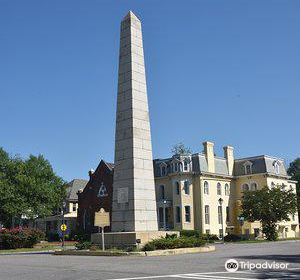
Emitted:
<point x="211" y="275"/>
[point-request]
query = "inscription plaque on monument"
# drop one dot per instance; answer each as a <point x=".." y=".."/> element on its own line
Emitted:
<point x="102" y="219"/>
<point x="122" y="195"/>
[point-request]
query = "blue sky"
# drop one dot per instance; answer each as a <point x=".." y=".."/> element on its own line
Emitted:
<point x="223" y="71"/>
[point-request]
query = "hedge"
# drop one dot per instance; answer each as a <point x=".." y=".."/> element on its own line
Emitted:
<point x="173" y="243"/>
<point x="196" y="233"/>
<point x="20" y="238"/>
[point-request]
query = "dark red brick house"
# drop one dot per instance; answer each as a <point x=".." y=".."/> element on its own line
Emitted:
<point x="97" y="194"/>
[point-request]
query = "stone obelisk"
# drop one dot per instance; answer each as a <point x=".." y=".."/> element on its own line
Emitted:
<point x="134" y="203"/>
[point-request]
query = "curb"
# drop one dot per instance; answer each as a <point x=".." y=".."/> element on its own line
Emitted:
<point x="137" y="254"/>
<point x="28" y="253"/>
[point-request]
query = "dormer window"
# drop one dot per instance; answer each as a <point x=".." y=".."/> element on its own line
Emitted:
<point x="175" y="163"/>
<point x="276" y="165"/>
<point x="163" y="169"/>
<point x="185" y="166"/>
<point x="248" y="167"/>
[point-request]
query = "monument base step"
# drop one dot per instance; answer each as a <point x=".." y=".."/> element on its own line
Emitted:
<point x="128" y="239"/>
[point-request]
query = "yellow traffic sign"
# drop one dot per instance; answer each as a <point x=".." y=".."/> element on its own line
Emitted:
<point x="63" y="227"/>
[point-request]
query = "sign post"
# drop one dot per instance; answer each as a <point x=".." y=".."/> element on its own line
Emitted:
<point x="102" y="220"/>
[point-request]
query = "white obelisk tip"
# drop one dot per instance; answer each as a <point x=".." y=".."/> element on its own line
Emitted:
<point x="130" y="15"/>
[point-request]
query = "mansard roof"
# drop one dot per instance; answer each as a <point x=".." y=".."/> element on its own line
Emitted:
<point x="260" y="164"/>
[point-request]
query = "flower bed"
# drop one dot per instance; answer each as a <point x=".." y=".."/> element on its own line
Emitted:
<point x="20" y="238"/>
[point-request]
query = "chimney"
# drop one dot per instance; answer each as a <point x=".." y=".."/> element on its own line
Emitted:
<point x="228" y="154"/>
<point x="210" y="157"/>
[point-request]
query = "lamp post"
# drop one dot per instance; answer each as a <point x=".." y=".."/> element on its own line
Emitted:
<point x="220" y="203"/>
<point x="63" y="222"/>
<point x="164" y="214"/>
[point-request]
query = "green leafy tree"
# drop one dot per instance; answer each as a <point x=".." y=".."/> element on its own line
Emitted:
<point x="28" y="188"/>
<point x="269" y="206"/>
<point x="180" y="149"/>
<point x="294" y="172"/>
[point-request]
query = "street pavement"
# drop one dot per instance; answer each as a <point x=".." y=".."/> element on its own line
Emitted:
<point x="202" y="266"/>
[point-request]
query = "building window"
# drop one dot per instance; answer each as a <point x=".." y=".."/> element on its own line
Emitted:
<point x="74" y="207"/>
<point x="206" y="211"/>
<point x="163" y="171"/>
<point x="227" y="214"/>
<point x="206" y="191"/>
<point x="253" y="187"/>
<point x="102" y="191"/>
<point x="272" y="185"/>
<point x="161" y="214"/>
<point x="187" y="214"/>
<point x="276" y="165"/>
<point x="177" y="188"/>
<point x="283" y="187"/>
<point x="185" y="166"/>
<point x="219" y="190"/>
<point x="186" y="187"/>
<point x="220" y="214"/>
<point x="162" y="192"/>
<point x="248" y="167"/>
<point x="207" y="231"/>
<point x="227" y="190"/>
<point x="178" y="214"/>
<point x="175" y="167"/>
<point x="245" y="187"/>
<point x="221" y="233"/>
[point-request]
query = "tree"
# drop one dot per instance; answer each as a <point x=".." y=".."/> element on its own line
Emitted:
<point x="294" y="172"/>
<point x="180" y="149"/>
<point x="269" y="206"/>
<point x="28" y="188"/>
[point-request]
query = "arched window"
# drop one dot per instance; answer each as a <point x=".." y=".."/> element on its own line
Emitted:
<point x="162" y="192"/>
<point x="245" y="187"/>
<point x="219" y="189"/>
<point x="272" y="185"/>
<point x="187" y="187"/>
<point x="253" y="186"/>
<point x="102" y="191"/>
<point x="227" y="190"/>
<point x="276" y="165"/>
<point x="177" y="188"/>
<point x="206" y="187"/>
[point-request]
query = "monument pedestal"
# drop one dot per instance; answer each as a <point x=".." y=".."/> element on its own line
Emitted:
<point x="128" y="239"/>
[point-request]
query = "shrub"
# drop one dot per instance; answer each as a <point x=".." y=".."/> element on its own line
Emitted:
<point x="20" y="238"/>
<point x="195" y="233"/>
<point x="80" y="236"/>
<point x="83" y="245"/>
<point x="173" y="243"/>
<point x="52" y="236"/>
